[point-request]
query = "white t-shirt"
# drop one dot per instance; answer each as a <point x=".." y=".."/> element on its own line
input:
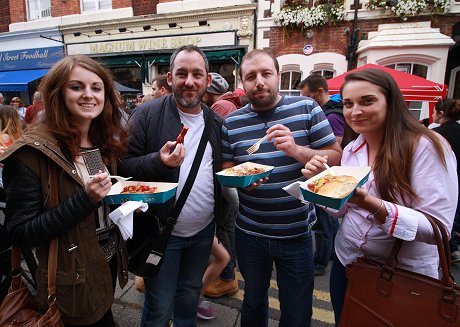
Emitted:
<point x="198" y="210"/>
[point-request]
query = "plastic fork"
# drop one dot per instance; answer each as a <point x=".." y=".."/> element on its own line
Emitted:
<point x="256" y="145"/>
<point x="118" y="178"/>
<point x="330" y="170"/>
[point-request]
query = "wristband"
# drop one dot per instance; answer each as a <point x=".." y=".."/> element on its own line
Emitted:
<point x="380" y="208"/>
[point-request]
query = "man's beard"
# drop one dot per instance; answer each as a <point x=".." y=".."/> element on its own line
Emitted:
<point x="187" y="104"/>
<point x="266" y="102"/>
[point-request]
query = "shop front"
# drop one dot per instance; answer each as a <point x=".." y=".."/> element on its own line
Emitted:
<point x="22" y="70"/>
<point x="135" y="62"/>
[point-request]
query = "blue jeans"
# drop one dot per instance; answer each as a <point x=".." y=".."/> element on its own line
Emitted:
<point x="293" y="260"/>
<point x="177" y="285"/>
<point x="325" y="230"/>
<point x="338" y="287"/>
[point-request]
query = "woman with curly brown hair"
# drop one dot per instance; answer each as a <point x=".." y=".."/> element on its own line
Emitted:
<point x="81" y="136"/>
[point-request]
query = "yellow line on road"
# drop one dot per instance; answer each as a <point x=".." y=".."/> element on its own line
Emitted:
<point x="318" y="314"/>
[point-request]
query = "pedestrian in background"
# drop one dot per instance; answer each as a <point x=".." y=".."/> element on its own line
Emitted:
<point x="160" y="86"/>
<point x="446" y="114"/>
<point x="19" y="105"/>
<point x="10" y="130"/>
<point x="33" y="110"/>
<point x="153" y="155"/>
<point x="412" y="167"/>
<point x="80" y="136"/>
<point x="315" y="86"/>
<point x="273" y="227"/>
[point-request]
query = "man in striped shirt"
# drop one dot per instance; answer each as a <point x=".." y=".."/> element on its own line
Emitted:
<point x="272" y="226"/>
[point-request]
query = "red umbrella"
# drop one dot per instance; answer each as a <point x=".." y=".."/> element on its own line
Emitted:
<point x="413" y="88"/>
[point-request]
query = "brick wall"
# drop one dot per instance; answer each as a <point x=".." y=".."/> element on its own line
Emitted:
<point x="334" y="39"/>
<point x="5" y="19"/>
<point x="123" y="3"/>
<point x="18" y="11"/>
<point x="145" y="7"/>
<point x="65" y="7"/>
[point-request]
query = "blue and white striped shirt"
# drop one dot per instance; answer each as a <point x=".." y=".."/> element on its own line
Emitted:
<point x="269" y="211"/>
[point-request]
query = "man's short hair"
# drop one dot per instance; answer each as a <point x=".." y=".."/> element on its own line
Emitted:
<point x="255" y="53"/>
<point x="188" y="48"/>
<point x="162" y="82"/>
<point x="314" y="82"/>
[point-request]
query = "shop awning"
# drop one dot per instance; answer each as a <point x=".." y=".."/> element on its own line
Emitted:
<point x="18" y="80"/>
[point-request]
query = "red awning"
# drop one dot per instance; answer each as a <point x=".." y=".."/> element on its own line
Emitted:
<point x="413" y="88"/>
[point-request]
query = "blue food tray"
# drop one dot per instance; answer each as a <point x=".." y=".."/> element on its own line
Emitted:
<point x="165" y="192"/>
<point x="243" y="181"/>
<point x="360" y="173"/>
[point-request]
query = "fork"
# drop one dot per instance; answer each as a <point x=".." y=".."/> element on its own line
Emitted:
<point x="256" y="145"/>
<point x="118" y="178"/>
<point x="329" y="169"/>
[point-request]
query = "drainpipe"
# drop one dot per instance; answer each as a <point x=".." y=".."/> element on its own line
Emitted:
<point x="353" y="38"/>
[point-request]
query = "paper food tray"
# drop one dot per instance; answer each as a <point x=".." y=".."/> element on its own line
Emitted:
<point x="243" y="181"/>
<point x="164" y="193"/>
<point x="360" y="173"/>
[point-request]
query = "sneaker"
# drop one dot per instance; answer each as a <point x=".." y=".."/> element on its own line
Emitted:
<point x="221" y="287"/>
<point x="206" y="311"/>
<point x="139" y="284"/>
<point x="455" y="256"/>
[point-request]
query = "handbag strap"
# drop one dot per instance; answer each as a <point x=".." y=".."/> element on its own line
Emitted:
<point x="171" y="221"/>
<point x="440" y="235"/>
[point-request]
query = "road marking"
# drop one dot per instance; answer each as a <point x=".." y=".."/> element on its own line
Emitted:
<point x="323" y="315"/>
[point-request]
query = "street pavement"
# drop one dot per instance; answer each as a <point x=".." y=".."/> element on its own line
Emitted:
<point x="128" y="304"/>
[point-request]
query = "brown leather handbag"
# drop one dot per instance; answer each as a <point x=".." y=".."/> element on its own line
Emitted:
<point x="18" y="307"/>
<point x="385" y="295"/>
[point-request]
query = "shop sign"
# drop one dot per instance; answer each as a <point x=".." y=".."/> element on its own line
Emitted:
<point x="37" y="58"/>
<point x="158" y="43"/>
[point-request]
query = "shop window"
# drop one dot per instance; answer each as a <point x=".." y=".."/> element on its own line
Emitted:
<point x="129" y="76"/>
<point x="290" y="81"/>
<point x="91" y="5"/>
<point x="37" y="9"/>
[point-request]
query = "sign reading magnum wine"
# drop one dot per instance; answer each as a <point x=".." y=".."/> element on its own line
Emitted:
<point x="37" y="58"/>
<point x="154" y="43"/>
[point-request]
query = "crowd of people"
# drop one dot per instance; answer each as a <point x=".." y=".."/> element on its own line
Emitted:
<point x="77" y="129"/>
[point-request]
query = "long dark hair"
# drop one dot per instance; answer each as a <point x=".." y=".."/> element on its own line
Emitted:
<point x="393" y="164"/>
<point x="106" y="131"/>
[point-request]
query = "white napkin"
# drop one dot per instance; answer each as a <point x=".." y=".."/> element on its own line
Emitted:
<point x="294" y="190"/>
<point x="123" y="216"/>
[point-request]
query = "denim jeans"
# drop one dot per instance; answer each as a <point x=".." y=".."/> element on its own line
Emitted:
<point x="338" y="287"/>
<point x="177" y="285"/>
<point x="325" y="230"/>
<point x="293" y="260"/>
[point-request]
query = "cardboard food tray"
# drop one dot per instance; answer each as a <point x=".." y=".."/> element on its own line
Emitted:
<point x="243" y="181"/>
<point x="360" y="173"/>
<point x="164" y="193"/>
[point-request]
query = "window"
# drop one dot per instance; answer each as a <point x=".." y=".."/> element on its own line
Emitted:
<point x="91" y="5"/>
<point x="411" y="68"/>
<point x="37" y="9"/>
<point x="290" y="81"/>
<point x="326" y="73"/>
<point x="416" y="107"/>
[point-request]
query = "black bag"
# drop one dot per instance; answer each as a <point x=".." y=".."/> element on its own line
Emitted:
<point x="147" y="249"/>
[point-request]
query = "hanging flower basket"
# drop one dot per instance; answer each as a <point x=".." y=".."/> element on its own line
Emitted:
<point x="405" y="8"/>
<point x="296" y="14"/>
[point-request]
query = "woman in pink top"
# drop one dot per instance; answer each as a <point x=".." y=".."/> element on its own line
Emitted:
<point x="413" y="175"/>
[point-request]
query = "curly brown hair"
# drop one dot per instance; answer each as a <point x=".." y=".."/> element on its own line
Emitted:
<point x="106" y="130"/>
